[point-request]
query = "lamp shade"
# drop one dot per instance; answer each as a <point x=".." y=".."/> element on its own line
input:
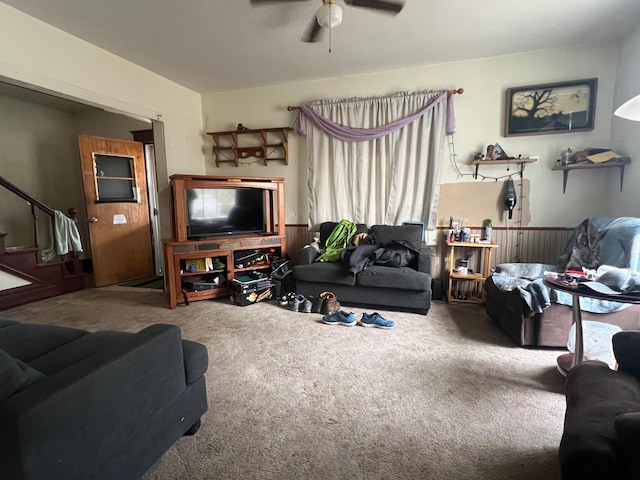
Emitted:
<point x="329" y="15"/>
<point x="630" y="109"/>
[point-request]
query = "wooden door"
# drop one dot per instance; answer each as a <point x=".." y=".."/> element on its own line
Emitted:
<point x="115" y="189"/>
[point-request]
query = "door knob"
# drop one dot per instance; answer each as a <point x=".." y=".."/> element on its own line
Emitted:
<point x="93" y="220"/>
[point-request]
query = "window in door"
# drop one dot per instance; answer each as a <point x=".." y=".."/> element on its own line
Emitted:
<point x="115" y="178"/>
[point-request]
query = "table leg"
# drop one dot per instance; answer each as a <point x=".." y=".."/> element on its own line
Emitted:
<point x="569" y="360"/>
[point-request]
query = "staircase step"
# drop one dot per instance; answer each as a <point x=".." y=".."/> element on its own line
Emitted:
<point x="27" y="294"/>
<point x="47" y="279"/>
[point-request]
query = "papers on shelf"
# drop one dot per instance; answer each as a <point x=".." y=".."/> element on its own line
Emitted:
<point x="603" y="156"/>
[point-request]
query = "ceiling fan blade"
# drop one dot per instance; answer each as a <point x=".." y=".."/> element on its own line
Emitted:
<point x="313" y="32"/>
<point x="258" y="2"/>
<point x="384" y="5"/>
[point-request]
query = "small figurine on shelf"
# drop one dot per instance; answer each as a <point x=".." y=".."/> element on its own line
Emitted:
<point x="490" y="153"/>
<point x="241" y="127"/>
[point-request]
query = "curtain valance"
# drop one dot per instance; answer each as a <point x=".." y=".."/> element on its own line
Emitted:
<point x="354" y="134"/>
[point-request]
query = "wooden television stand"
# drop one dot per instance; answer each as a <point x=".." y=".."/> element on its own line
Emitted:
<point x="223" y="250"/>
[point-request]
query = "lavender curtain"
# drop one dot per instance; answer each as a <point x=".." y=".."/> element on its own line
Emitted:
<point x="376" y="160"/>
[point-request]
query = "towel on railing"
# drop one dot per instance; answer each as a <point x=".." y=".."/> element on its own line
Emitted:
<point x="66" y="237"/>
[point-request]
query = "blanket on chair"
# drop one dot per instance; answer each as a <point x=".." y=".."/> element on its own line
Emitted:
<point x="596" y="241"/>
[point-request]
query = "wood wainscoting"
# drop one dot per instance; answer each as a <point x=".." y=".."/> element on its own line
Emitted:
<point x="297" y="237"/>
<point x="526" y="244"/>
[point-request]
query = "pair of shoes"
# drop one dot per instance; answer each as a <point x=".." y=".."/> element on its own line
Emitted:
<point x="286" y="299"/>
<point x="375" y="320"/>
<point x="301" y="304"/>
<point x="326" y="303"/>
<point x="340" y="318"/>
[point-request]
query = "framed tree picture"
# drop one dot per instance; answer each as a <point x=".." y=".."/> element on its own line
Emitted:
<point x="562" y="107"/>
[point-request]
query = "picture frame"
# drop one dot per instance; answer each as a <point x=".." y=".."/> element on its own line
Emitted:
<point x="562" y="107"/>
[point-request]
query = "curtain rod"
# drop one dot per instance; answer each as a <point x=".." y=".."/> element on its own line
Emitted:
<point x="459" y="91"/>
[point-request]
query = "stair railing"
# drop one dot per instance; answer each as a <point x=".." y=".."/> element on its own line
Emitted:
<point x="37" y="205"/>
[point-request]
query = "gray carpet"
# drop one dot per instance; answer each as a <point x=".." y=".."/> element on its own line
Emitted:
<point x="442" y="396"/>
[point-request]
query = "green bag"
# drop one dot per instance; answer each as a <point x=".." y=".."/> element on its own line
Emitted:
<point x="337" y="241"/>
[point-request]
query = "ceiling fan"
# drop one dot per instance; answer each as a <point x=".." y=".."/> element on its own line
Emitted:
<point x="329" y="15"/>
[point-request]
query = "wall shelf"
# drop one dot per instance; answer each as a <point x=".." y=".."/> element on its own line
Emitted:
<point x="521" y="162"/>
<point x="617" y="163"/>
<point x="228" y="147"/>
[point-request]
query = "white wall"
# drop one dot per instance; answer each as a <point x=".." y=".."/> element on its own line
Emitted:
<point x="47" y="59"/>
<point x="625" y="134"/>
<point x="479" y="111"/>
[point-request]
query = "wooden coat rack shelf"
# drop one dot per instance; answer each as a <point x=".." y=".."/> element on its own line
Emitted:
<point x="265" y="143"/>
<point x="521" y="162"/>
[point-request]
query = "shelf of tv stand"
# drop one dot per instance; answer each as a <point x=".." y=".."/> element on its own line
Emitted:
<point x="175" y="253"/>
<point x="224" y="248"/>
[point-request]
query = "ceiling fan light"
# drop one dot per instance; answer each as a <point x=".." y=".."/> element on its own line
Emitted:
<point x="329" y="15"/>
<point x="630" y="109"/>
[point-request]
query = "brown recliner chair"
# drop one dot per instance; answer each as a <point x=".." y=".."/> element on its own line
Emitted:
<point x="596" y="241"/>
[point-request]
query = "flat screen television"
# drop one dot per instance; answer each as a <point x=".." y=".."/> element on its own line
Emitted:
<point x="224" y="211"/>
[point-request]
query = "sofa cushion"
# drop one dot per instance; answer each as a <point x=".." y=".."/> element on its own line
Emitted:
<point x="15" y="375"/>
<point x="77" y="350"/>
<point x="404" y="278"/>
<point x="6" y="323"/>
<point x="325" y="272"/>
<point x="388" y="234"/>
<point x="27" y="341"/>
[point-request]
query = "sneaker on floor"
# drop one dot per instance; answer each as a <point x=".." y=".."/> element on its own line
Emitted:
<point x="376" y="320"/>
<point x="340" y="318"/>
<point x="297" y="304"/>
<point x="286" y="298"/>
<point x="317" y="304"/>
<point x="307" y="304"/>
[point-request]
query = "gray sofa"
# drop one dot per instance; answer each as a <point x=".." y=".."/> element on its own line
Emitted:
<point x="376" y="286"/>
<point x="601" y="436"/>
<point x="104" y="405"/>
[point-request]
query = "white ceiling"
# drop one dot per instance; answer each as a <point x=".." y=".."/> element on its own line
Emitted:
<point x="218" y="45"/>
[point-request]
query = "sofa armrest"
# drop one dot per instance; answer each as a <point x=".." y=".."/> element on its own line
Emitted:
<point x="596" y="396"/>
<point x="89" y="414"/>
<point x="626" y="349"/>
<point x="307" y="255"/>
<point x="425" y="256"/>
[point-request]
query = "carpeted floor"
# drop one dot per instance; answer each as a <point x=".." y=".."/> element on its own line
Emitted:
<point x="442" y="396"/>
